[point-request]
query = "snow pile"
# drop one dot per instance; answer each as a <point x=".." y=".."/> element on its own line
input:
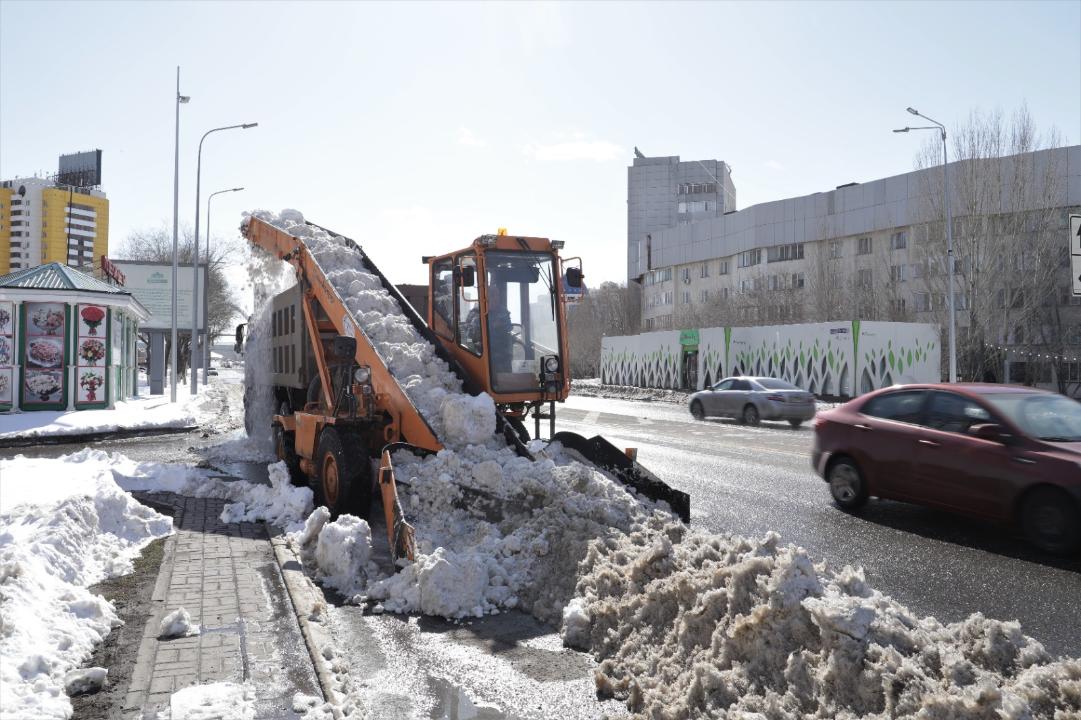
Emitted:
<point x="214" y="701"/>
<point x="56" y="539"/>
<point x="139" y="414"/>
<point x="468" y="420"/>
<point x="411" y="359"/>
<point x="281" y="504"/>
<point x="86" y="680"/>
<point x="688" y="624"/>
<point x="343" y="551"/>
<point x="177" y="624"/>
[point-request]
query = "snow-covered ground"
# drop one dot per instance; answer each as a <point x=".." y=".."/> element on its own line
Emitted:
<point x="592" y="387"/>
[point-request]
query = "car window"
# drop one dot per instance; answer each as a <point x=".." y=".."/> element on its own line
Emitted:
<point x="950" y="412"/>
<point x="774" y="384"/>
<point x="724" y="385"/>
<point x="741" y="385"/>
<point x="902" y="406"/>
<point x="1048" y="417"/>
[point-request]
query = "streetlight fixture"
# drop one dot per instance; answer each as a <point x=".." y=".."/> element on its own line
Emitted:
<point x="180" y="99"/>
<point x="206" y="291"/>
<point x="195" y="254"/>
<point x="949" y="230"/>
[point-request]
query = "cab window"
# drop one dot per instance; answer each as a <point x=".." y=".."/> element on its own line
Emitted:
<point x="443" y="298"/>
<point x="469" y="320"/>
<point x="904" y="406"/>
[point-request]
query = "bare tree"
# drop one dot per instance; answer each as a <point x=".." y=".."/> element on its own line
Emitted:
<point x="1009" y="248"/>
<point x="156" y="245"/>
<point x="610" y="309"/>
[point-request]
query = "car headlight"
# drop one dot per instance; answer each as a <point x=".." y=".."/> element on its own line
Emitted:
<point x="551" y="364"/>
<point x="362" y="374"/>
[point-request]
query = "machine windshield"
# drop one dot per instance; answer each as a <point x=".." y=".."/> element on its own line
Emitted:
<point x="522" y="324"/>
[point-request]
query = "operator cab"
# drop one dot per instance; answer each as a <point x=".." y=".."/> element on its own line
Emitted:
<point x="498" y="307"/>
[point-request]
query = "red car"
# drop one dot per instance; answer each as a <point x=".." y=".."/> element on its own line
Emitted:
<point x="999" y="452"/>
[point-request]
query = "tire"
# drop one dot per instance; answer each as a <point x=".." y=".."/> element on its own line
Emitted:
<point x="795" y="424"/>
<point x="697" y="411"/>
<point x="847" y="486"/>
<point x="1050" y="521"/>
<point x="343" y="480"/>
<point x="750" y="415"/>
<point x="285" y="448"/>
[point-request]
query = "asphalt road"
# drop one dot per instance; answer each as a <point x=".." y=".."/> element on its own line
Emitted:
<point x="748" y="481"/>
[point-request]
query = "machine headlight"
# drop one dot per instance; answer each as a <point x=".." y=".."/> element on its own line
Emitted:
<point x="551" y="364"/>
<point x="362" y="374"/>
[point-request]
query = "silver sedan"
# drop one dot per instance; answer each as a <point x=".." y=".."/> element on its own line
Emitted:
<point x="753" y="399"/>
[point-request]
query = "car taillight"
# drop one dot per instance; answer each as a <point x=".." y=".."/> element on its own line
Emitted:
<point x="775" y="398"/>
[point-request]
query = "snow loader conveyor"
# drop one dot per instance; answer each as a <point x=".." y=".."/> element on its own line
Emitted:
<point x="342" y="407"/>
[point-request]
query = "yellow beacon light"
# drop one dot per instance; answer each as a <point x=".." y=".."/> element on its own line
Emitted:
<point x="502" y="232"/>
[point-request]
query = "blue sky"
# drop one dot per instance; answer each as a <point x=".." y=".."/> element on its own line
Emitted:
<point x="415" y="127"/>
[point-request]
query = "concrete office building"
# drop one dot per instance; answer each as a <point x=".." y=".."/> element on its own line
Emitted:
<point x="880" y="234"/>
<point x="663" y="192"/>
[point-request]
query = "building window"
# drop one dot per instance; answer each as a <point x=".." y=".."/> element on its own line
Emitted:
<point x="864" y="279"/>
<point x="779" y="253"/>
<point x="917" y="271"/>
<point x="863" y="246"/>
<point x="776" y="282"/>
<point x="899" y="306"/>
<point x="750" y="257"/>
<point x="798" y="281"/>
<point x="722" y="267"/>
<point x="703" y="272"/>
<point x="724" y="293"/>
<point x="686" y="274"/>
<point x="837" y="248"/>
<point x="897" y="273"/>
<point x="703" y="296"/>
<point x="922" y="302"/>
<point x="898" y="241"/>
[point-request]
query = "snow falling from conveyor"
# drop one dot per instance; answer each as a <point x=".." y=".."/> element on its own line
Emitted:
<point x="686" y="624"/>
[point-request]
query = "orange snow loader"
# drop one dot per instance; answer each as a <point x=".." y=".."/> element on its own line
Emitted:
<point x="496" y="316"/>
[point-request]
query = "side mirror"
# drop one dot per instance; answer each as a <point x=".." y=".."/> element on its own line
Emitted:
<point x="989" y="431"/>
<point x="574" y="277"/>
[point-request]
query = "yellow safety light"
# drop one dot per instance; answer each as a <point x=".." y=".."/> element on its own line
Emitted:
<point x="502" y="232"/>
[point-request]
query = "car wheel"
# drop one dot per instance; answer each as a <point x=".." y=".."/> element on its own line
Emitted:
<point x="1050" y="521"/>
<point x="846" y="483"/>
<point x="750" y="415"/>
<point x="697" y="411"/>
<point x="795" y="423"/>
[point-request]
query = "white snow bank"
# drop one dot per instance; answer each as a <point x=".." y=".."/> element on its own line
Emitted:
<point x="140" y="414"/>
<point x="688" y="624"/>
<point x="85" y="680"/>
<point x="343" y="551"/>
<point x="177" y="624"/>
<point x="281" y="504"/>
<point x="57" y="537"/>
<point x="214" y="701"/>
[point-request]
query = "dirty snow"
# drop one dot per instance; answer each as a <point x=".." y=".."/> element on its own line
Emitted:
<point x="85" y="680"/>
<point x="177" y="624"/>
<point x="56" y="539"/>
<point x="280" y="504"/>
<point x="214" y="701"/>
<point x="689" y="625"/>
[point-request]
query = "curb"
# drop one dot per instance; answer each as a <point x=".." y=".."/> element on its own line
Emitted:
<point x="35" y="440"/>
<point x="308" y="602"/>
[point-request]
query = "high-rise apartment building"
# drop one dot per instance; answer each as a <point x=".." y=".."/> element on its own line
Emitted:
<point x="43" y="221"/>
<point x="663" y="192"/>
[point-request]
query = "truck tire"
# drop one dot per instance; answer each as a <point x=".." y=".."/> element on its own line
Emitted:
<point x="285" y="448"/>
<point x="343" y="480"/>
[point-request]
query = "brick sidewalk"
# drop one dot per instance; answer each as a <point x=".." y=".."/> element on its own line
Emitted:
<point x="227" y="578"/>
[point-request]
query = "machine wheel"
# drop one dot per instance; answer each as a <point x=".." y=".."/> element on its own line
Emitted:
<point x="519" y="428"/>
<point x="1050" y="521"/>
<point x="285" y="448"/>
<point x="343" y="481"/>
<point x="847" y="486"/>
<point x="697" y="411"/>
<point x="750" y="415"/>
<point x="795" y="424"/>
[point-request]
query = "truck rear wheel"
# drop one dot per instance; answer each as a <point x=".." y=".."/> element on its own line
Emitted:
<point x="343" y="481"/>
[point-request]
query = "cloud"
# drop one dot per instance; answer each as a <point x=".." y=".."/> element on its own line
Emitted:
<point x="569" y="151"/>
<point x="466" y="137"/>
<point x="774" y="165"/>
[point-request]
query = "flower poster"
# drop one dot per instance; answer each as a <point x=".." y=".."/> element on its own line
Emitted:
<point x="44" y="353"/>
<point x="91" y="354"/>
<point x="7" y="352"/>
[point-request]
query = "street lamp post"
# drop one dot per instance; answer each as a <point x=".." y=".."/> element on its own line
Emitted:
<point x="180" y="99"/>
<point x="206" y="292"/>
<point x="949" y="232"/>
<point x="195" y="254"/>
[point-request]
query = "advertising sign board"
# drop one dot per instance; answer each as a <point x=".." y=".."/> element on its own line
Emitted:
<point x="151" y="284"/>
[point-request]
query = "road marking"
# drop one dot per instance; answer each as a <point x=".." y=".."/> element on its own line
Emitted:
<point x="591" y="418"/>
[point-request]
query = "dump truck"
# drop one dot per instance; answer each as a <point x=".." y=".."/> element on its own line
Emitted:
<point x="495" y="315"/>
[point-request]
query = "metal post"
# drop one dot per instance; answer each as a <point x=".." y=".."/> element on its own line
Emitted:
<point x="195" y="255"/>
<point x="949" y="257"/>
<point x="176" y="209"/>
<point x="206" y="295"/>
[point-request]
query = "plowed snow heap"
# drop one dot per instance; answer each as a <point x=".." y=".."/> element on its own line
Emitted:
<point x="686" y="624"/>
